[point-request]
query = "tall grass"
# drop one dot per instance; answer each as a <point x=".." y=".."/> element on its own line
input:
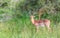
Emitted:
<point x="23" y="28"/>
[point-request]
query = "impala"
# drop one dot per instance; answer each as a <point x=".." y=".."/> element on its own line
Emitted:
<point x="42" y="23"/>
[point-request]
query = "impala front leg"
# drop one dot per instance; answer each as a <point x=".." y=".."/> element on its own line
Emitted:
<point x="48" y="27"/>
<point x="37" y="28"/>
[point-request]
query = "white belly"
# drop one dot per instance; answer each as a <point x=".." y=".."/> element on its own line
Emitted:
<point x="40" y="24"/>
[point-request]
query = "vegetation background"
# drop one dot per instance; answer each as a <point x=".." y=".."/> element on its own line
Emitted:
<point x="15" y="18"/>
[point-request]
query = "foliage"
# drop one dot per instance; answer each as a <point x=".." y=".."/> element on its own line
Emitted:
<point x="15" y="18"/>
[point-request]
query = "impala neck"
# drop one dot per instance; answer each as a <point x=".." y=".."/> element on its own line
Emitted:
<point x="32" y="19"/>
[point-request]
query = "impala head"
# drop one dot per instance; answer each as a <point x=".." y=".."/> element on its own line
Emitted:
<point x="32" y="16"/>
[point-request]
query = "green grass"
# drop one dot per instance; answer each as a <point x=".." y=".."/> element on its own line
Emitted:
<point x="23" y="28"/>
